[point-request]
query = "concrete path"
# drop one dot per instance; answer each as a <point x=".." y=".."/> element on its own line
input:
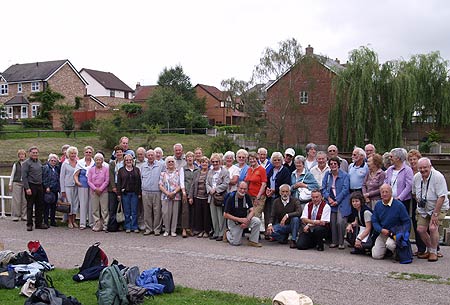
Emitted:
<point x="332" y="277"/>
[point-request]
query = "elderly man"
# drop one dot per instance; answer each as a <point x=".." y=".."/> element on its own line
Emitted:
<point x="430" y="189"/>
<point x="370" y="150"/>
<point x="126" y="150"/>
<point x="240" y="215"/>
<point x="315" y="219"/>
<point x="358" y="170"/>
<point x="140" y="157"/>
<point x="388" y="214"/>
<point x="151" y="194"/>
<point x="141" y="160"/>
<point x="263" y="160"/>
<point x="321" y="168"/>
<point x="333" y="152"/>
<point x="180" y="160"/>
<point x="159" y="155"/>
<point x="34" y="192"/>
<point x="289" y="155"/>
<point x="285" y="217"/>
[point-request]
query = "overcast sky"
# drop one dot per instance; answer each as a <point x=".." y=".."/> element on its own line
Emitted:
<point x="212" y="40"/>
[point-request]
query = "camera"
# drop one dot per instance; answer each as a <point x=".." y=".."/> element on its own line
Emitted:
<point x="422" y="203"/>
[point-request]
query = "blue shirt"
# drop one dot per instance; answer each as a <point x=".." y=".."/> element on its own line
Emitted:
<point x="357" y="175"/>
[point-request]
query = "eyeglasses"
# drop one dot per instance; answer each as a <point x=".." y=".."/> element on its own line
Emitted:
<point x="214" y="161"/>
<point x="332" y="150"/>
<point x="129" y="160"/>
<point x="88" y="152"/>
<point x="276" y="160"/>
<point x="170" y="161"/>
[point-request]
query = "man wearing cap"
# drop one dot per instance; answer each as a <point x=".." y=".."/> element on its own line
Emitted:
<point x="315" y="219"/>
<point x="285" y="217"/>
<point x="240" y="215"/>
<point x="289" y="155"/>
<point x="430" y="189"/>
<point x="333" y="152"/>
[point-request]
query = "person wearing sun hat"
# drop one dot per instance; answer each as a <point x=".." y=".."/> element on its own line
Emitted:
<point x="289" y="155"/>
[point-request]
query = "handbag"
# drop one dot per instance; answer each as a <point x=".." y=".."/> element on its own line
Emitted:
<point x="63" y="206"/>
<point x="120" y="217"/>
<point x="219" y="198"/>
<point x="304" y="194"/>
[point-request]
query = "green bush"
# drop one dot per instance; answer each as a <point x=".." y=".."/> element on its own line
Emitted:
<point x="36" y="123"/>
<point x="229" y="128"/>
<point x="88" y="125"/>
<point x="223" y="143"/>
<point x="108" y="132"/>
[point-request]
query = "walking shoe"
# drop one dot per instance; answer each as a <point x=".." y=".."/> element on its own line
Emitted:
<point x="292" y="244"/>
<point x="205" y="235"/>
<point x="220" y="238"/>
<point x="15" y="219"/>
<point x="200" y="235"/>
<point x="82" y="227"/>
<point x="253" y="244"/>
<point x="29" y="228"/>
<point x="213" y="237"/>
<point x="333" y="246"/>
<point x="97" y="227"/>
<point x="136" y="231"/>
<point x="341" y="247"/>
<point x="166" y="234"/>
<point x="432" y="257"/>
<point x="147" y="232"/>
<point x="157" y="233"/>
<point x="127" y="231"/>
<point x="42" y="226"/>
<point x="173" y="234"/>
<point x="425" y="255"/>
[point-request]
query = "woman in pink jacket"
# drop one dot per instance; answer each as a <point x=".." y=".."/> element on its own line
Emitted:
<point x="98" y="180"/>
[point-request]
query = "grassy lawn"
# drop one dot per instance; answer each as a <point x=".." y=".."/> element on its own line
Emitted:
<point x="85" y="293"/>
<point x="53" y="143"/>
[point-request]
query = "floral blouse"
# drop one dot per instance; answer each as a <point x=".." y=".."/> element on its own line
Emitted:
<point x="170" y="181"/>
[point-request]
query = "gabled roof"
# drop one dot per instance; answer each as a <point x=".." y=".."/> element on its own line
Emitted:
<point x="213" y="91"/>
<point x="328" y="63"/>
<point x="97" y="101"/>
<point x="108" y="80"/>
<point x="142" y="93"/>
<point x="37" y="71"/>
<point x="17" y="100"/>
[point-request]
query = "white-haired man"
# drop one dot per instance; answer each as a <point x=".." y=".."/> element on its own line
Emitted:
<point x="430" y="189"/>
<point x="180" y="160"/>
<point x="263" y="160"/>
<point x="358" y="170"/>
<point x="333" y="152"/>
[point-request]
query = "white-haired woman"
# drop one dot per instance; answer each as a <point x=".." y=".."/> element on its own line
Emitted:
<point x="171" y="182"/>
<point x="68" y="190"/>
<point x="232" y="169"/>
<point x="19" y="202"/>
<point x="50" y="183"/>
<point x="302" y="181"/>
<point x="242" y="156"/>
<point x="83" y="165"/>
<point x="311" y="154"/>
<point x="98" y="180"/>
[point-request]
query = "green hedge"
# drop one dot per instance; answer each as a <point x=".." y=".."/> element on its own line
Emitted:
<point x="36" y="123"/>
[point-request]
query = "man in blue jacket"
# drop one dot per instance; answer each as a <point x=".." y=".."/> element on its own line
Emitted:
<point x="387" y="214"/>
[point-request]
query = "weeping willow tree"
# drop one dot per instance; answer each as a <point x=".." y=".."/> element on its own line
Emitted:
<point x="377" y="102"/>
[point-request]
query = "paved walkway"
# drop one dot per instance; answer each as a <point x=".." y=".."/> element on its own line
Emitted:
<point x="332" y="277"/>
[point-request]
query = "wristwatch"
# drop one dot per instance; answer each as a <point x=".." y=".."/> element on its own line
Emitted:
<point x="435" y="214"/>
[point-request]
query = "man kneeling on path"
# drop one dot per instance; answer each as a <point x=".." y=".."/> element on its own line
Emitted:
<point x="240" y="215"/>
<point x="316" y="218"/>
<point x="285" y="217"/>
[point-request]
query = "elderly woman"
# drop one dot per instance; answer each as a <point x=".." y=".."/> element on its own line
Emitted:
<point x="241" y="156"/>
<point x="386" y="161"/>
<point x="373" y="180"/>
<point x="232" y="169"/>
<point x="257" y="181"/>
<point x="217" y="182"/>
<point x="129" y="192"/>
<point x="114" y="166"/>
<point x="50" y="183"/>
<point x="359" y="232"/>
<point x="98" y="181"/>
<point x="198" y="196"/>
<point x="336" y="191"/>
<point x="311" y="152"/>
<point x="69" y="191"/>
<point x="19" y="202"/>
<point x="187" y="209"/>
<point x="302" y="181"/>
<point x="276" y="177"/>
<point x="80" y="178"/>
<point x="170" y="186"/>
<point x="400" y="176"/>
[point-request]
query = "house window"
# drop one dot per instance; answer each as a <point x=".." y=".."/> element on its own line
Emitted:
<point x="24" y="112"/>
<point x="34" y="110"/>
<point x="9" y="111"/>
<point x="112" y="93"/>
<point x="34" y="86"/>
<point x="4" y="89"/>
<point x="19" y="88"/>
<point x="303" y="97"/>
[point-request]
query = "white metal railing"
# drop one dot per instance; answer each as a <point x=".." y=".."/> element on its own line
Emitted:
<point x="3" y="195"/>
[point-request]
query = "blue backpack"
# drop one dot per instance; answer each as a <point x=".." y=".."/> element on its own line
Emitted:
<point x="149" y="280"/>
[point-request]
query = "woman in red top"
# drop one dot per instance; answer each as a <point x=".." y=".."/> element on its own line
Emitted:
<point x="257" y="180"/>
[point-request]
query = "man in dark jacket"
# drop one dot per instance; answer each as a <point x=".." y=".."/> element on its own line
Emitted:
<point x="285" y="217"/>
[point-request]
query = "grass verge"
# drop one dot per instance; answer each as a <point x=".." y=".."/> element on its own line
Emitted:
<point x="85" y="293"/>
<point x="430" y="278"/>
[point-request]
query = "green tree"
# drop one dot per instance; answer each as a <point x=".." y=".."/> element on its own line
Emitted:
<point x="2" y="117"/>
<point x="273" y="64"/>
<point x="67" y="120"/>
<point x="48" y="99"/>
<point x="108" y="132"/>
<point x="176" y="79"/>
<point x="131" y="109"/>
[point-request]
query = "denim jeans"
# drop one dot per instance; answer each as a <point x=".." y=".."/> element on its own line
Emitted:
<point x="130" y="205"/>
<point x="281" y="233"/>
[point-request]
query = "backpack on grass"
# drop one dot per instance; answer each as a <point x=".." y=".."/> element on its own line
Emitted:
<point x="94" y="257"/>
<point x="112" y="287"/>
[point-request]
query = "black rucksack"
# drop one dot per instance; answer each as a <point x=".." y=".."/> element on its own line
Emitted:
<point x="94" y="257"/>
<point x="165" y="278"/>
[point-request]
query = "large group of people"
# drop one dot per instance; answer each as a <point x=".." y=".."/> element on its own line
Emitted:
<point x="303" y="201"/>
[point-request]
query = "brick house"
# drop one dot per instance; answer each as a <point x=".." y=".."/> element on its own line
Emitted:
<point x="218" y="107"/>
<point x="305" y="90"/>
<point x="107" y="88"/>
<point x="19" y="81"/>
<point x="142" y="93"/>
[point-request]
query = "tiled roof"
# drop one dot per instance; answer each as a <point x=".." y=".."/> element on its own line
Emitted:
<point x="142" y="93"/>
<point x="17" y="100"/>
<point x="108" y="80"/>
<point x="32" y="71"/>
<point x="219" y="95"/>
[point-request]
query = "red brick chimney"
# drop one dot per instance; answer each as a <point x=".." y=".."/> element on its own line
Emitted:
<point x="309" y="50"/>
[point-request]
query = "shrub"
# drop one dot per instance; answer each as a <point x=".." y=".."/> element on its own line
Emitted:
<point x="108" y="132"/>
<point x="223" y="143"/>
<point x="36" y="123"/>
<point x="88" y="125"/>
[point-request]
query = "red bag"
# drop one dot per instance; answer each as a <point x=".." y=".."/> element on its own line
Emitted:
<point x="33" y="246"/>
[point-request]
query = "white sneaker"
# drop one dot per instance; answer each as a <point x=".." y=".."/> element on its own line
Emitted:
<point x="173" y="234"/>
<point x="166" y="234"/>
